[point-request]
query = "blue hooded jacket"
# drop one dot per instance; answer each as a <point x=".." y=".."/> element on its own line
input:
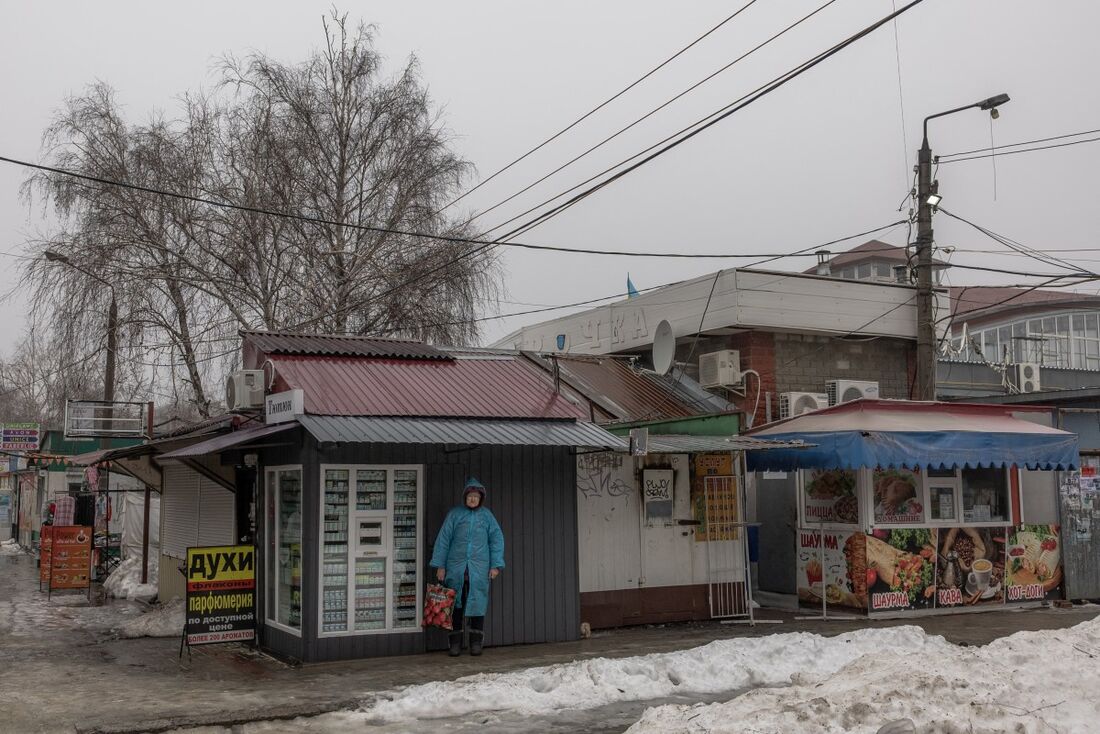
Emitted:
<point x="470" y="541"/>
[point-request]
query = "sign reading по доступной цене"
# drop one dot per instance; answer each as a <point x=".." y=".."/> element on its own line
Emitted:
<point x="221" y="594"/>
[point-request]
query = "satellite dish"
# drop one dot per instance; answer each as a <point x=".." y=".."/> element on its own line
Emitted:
<point x="664" y="348"/>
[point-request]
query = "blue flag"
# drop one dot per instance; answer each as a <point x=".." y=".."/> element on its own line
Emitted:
<point x="631" y="291"/>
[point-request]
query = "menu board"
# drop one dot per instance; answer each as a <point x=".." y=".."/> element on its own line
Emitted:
<point x="896" y="496"/>
<point x="1034" y="563"/>
<point x="714" y="498"/>
<point x="70" y="557"/>
<point x="901" y="569"/>
<point x="830" y="497"/>
<point x="837" y="571"/>
<point x="971" y="567"/>
<point x="45" y="550"/>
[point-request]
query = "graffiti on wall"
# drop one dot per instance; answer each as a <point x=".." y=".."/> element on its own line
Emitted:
<point x="598" y="475"/>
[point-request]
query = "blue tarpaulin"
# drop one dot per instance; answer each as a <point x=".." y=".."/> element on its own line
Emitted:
<point x="898" y="433"/>
<point x="936" y="449"/>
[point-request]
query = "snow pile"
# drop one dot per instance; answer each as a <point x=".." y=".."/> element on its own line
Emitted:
<point x="10" y="547"/>
<point x="125" y="581"/>
<point x="724" y="665"/>
<point x="1028" y="682"/>
<point x="164" y="621"/>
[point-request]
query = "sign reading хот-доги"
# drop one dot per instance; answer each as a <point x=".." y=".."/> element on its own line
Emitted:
<point x="221" y="594"/>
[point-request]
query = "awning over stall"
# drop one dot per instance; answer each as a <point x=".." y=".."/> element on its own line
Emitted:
<point x="686" y="444"/>
<point x="225" y="441"/>
<point x="901" y="433"/>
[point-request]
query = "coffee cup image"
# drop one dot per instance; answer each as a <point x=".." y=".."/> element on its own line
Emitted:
<point x="982" y="572"/>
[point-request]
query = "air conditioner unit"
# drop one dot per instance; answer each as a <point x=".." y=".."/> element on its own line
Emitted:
<point x="797" y="403"/>
<point x="720" y="369"/>
<point x="244" y="389"/>
<point x="1027" y="377"/>
<point x="841" y="391"/>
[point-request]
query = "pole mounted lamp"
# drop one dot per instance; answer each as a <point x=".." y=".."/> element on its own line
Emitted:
<point x="928" y="200"/>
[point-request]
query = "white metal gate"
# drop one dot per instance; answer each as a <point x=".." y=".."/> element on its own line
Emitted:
<point x="727" y="549"/>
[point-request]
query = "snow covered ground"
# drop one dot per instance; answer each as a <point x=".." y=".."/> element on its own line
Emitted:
<point x="1028" y="682"/>
<point x="10" y="547"/>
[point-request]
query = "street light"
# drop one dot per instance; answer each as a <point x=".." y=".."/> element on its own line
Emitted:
<point x="928" y="198"/>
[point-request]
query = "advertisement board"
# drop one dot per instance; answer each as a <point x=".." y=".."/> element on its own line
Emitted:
<point x="19" y="437"/>
<point x="971" y="570"/>
<point x="714" y="496"/>
<point x="901" y="569"/>
<point x="830" y="497"/>
<point x="1034" y="563"/>
<point x="838" y="571"/>
<point x="221" y="594"/>
<point x="70" y="557"/>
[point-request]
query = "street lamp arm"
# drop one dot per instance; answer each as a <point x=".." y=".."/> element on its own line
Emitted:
<point x="56" y="257"/>
<point x="985" y="104"/>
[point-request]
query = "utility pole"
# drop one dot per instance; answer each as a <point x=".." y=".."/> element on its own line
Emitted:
<point x="928" y="199"/>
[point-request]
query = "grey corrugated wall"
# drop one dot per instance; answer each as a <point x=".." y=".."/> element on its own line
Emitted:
<point x="532" y="493"/>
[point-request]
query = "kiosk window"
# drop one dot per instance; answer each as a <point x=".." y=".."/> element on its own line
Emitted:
<point x="985" y="495"/>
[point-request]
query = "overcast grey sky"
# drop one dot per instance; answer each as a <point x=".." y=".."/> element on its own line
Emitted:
<point x="819" y="159"/>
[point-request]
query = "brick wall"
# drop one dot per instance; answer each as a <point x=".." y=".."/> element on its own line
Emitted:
<point x="805" y="362"/>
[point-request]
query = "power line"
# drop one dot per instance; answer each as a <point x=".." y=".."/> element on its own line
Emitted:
<point x="705" y="123"/>
<point x="641" y="119"/>
<point x="1025" y="150"/>
<point x="600" y="106"/>
<point x="1016" y="145"/>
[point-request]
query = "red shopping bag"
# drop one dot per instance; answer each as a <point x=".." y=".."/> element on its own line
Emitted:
<point x="439" y="606"/>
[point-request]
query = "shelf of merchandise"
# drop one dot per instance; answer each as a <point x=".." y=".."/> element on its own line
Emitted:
<point x="370" y="594"/>
<point x="290" y="549"/>
<point x="370" y="490"/>
<point x="334" y="552"/>
<point x="406" y="584"/>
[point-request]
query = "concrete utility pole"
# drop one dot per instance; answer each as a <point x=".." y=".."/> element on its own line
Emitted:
<point x="928" y="199"/>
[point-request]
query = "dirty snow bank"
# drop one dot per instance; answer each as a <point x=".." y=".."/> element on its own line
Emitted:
<point x="10" y="547"/>
<point x="125" y="581"/>
<point x="1028" y="682"/>
<point x="724" y="665"/>
<point x="164" y="621"/>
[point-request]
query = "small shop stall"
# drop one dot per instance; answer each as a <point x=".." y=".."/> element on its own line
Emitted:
<point x="905" y="506"/>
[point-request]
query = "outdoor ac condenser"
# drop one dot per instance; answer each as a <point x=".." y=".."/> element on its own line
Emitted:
<point x="1027" y="377"/>
<point x="720" y="369"/>
<point x="797" y="403"/>
<point x="244" y="389"/>
<point x="841" y="391"/>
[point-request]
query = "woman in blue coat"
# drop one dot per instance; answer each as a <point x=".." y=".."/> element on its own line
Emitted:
<point x="469" y="553"/>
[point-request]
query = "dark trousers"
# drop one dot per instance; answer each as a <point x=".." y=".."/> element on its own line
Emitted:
<point x="458" y="616"/>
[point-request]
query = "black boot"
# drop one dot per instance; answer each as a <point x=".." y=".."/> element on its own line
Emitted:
<point x="476" y="639"/>
<point x="455" y="638"/>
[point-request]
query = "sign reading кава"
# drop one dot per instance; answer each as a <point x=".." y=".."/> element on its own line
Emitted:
<point x="221" y="594"/>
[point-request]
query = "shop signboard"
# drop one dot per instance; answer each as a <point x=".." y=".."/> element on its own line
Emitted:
<point x="901" y="569"/>
<point x="19" y="436"/>
<point x="221" y="594"/>
<point x="971" y="569"/>
<point x="70" y="557"/>
<point x="830" y="497"/>
<point x="716" y="500"/>
<point x="1034" y="563"/>
<point x="837" y="570"/>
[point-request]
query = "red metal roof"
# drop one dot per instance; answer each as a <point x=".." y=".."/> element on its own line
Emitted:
<point x="622" y="391"/>
<point x="466" y="387"/>
<point x="282" y="342"/>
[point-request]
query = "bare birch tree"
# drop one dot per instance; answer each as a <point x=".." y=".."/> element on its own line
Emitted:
<point x="331" y="138"/>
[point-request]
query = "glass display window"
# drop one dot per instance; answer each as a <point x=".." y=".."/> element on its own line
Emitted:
<point x="830" y="497"/>
<point x="371" y="559"/>
<point x="985" y="496"/>
<point x="283" y="520"/>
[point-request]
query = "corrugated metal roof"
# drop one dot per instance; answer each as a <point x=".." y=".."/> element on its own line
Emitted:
<point x="355" y="429"/>
<point x="225" y="441"/>
<point x="467" y="387"/>
<point x="671" y="444"/>
<point x="282" y="342"/>
<point x="621" y="390"/>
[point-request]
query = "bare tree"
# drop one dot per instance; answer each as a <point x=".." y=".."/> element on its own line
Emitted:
<point x="330" y="138"/>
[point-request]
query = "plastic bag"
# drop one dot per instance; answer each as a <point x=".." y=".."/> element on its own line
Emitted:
<point x="439" y="606"/>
